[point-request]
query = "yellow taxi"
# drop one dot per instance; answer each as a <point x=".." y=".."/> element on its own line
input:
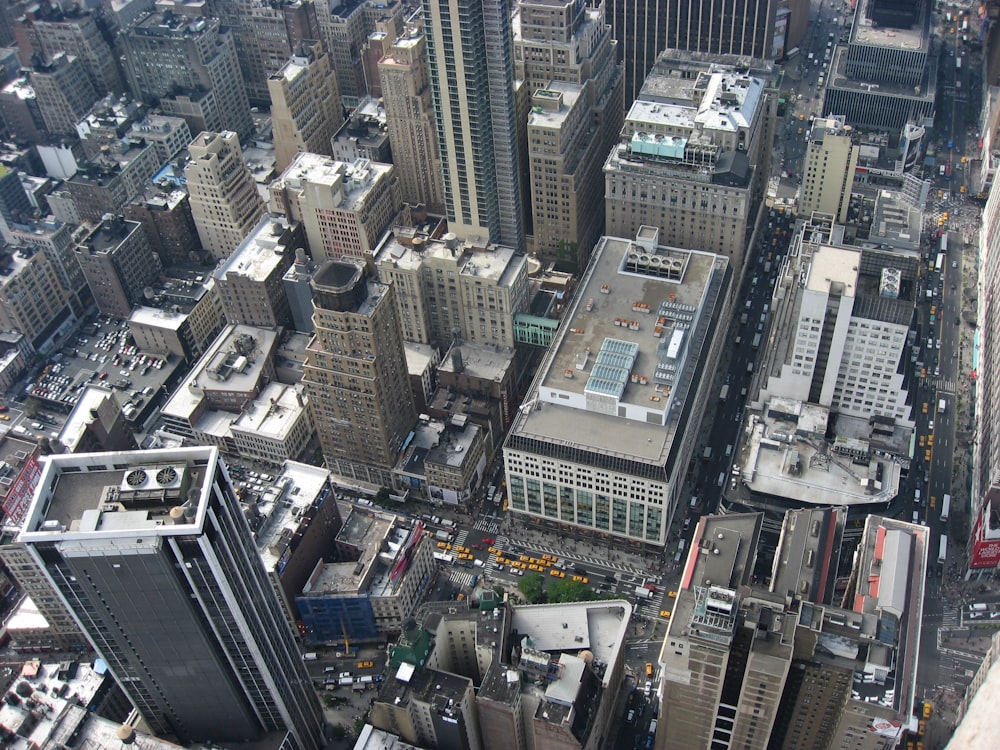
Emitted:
<point x="366" y="664"/>
<point x="556" y="573"/>
<point x="927" y="455"/>
<point x="924" y="408"/>
<point x="665" y="614"/>
<point x="442" y="545"/>
<point x="922" y="441"/>
<point x="933" y="501"/>
<point x="672" y="594"/>
<point x="536" y="568"/>
<point x="524" y="558"/>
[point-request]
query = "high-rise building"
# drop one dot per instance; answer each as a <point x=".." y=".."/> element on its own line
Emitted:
<point x="225" y="203"/>
<point x="984" y="539"/>
<point x="602" y="442"/>
<point x="63" y="92"/>
<point x="355" y="373"/>
<point x="267" y="35"/>
<point x="344" y="208"/>
<point x="119" y="264"/>
<point x="345" y="28"/>
<point x="152" y="554"/>
<point x="470" y="49"/>
<point x="753" y="666"/>
<point x="645" y="28"/>
<point x="249" y="282"/>
<point x="828" y="173"/>
<point x="409" y="113"/>
<point x="57" y="241"/>
<point x="886" y="74"/>
<point x="19" y="112"/>
<point x="305" y="105"/>
<point x="829" y="382"/>
<point x="486" y="287"/>
<point x="14" y="203"/>
<point x="565" y="54"/>
<point x="189" y="66"/>
<point x="693" y="159"/>
<point x="76" y="32"/>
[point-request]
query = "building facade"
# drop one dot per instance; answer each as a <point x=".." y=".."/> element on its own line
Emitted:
<point x="566" y="56"/>
<point x="828" y="173"/>
<point x="118" y="264"/>
<point x="63" y="93"/>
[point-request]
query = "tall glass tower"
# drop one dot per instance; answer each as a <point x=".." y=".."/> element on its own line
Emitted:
<point x="470" y="51"/>
<point x="153" y="557"/>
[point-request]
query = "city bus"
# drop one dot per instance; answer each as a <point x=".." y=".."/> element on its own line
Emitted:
<point x="944" y="243"/>
<point x="945" y="507"/>
<point x="940" y="262"/>
<point x="943" y="550"/>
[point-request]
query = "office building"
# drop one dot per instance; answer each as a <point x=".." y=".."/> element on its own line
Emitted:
<point x="227" y="379"/>
<point x="249" y="282"/>
<point x="298" y="291"/>
<point x="693" y="158"/>
<point x="118" y="264"/>
<point x="470" y="50"/>
<point x="225" y="203"/>
<point x="885" y="76"/>
<point x="830" y="412"/>
<point x="602" y="442"/>
<point x="266" y="35"/>
<point x="745" y="28"/>
<point x="355" y="374"/>
<point x="364" y="135"/>
<point x="344" y="208"/>
<point x="305" y="104"/>
<point x="166" y="219"/>
<point x="753" y="666"/>
<point x="828" y="173"/>
<point x="984" y="538"/>
<point x="346" y="28"/>
<point x="188" y="65"/>
<point x="447" y="288"/>
<point x="276" y="428"/>
<point x="96" y="517"/>
<point x="181" y="320"/>
<point x="404" y="75"/>
<point x="54" y="29"/>
<point x="33" y="300"/>
<point x="565" y="54"/>
<point x="169" y="135"/>
<point x="384" y="569"/>
<point x="105" y="183"/>
<point x="63" y="93"/>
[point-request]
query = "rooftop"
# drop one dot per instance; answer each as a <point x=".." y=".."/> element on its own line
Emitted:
<point x="865" y="32"/>
<point x="629" y="352"/>
<point x="261" y="252"/>
<point x="496" y="262"/>
<point x="283" y="504"/>
<point x="726" y="101"/>
<point x="273" y="414"/>
<point x="120" y="495"/>
<point x="350" y="183"/>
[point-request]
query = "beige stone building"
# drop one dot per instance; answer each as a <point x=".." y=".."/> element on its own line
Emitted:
<point x="32" y="300"/>
<point x="225" y="203"/>
<point x="406" y="90"/>
<point x="344" y="208"/>
<point x="305" y="104"/>
<point x="828" y="172"/>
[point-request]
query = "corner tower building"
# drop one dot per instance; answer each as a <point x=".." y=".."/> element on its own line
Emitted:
<point x="470" y="49"/>
<point x="152" y="554"/>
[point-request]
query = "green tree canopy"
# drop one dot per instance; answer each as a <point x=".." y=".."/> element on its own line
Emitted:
<point x="533" y="587"/>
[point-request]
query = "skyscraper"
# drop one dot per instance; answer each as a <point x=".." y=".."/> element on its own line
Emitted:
<point x="409" y="110"/>
<point x="645" y="28"/>
<point x="472" y="76"/>
<point x="355" y="373"/>
<point x="829" y="170"/>
<point x="152" y="554"/>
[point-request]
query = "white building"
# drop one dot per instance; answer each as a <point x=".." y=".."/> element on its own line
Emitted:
<point x="275" y="427"/>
